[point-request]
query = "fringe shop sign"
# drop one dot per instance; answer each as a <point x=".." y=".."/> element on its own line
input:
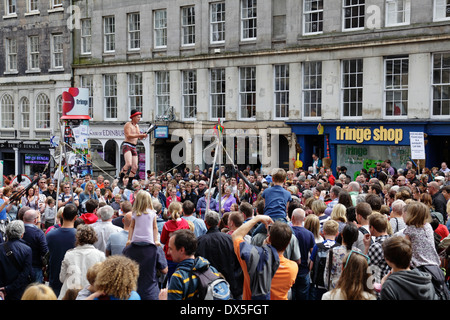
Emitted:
<point x="364" y="134"/>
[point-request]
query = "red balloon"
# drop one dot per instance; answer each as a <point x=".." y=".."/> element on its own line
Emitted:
<point x="68" y="102"/>
<point x="74" y="91"/>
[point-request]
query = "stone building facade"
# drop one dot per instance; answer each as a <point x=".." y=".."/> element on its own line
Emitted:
<point x="291" y="67"/>
<point x="348" y="80"/>
<point x="35" y="68"/>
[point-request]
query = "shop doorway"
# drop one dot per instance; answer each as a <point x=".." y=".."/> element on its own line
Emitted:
<point x="311" y="144"/>
<point x="163" y="159"/>
<point x="283" y="158"/>
<point x="437" y="150"/>
<point x="9" y="161"/>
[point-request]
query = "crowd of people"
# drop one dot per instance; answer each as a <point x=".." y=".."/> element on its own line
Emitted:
<point x="299" y="235"/>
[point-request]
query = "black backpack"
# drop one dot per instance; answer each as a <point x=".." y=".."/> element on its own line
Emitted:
<point x="438" y="280"/>
<point x="364" y="231"/>
<point x="317" y="272"/>
<point x="210" y="285"/>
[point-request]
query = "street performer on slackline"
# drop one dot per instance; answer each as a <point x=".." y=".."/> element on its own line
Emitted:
<point x="132" y="135"/>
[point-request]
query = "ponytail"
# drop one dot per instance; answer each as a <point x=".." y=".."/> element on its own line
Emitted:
<point x="175" y="210"/>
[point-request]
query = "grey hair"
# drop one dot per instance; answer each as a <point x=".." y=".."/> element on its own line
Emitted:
<point x="307" y="194"/>
<point x="15" y="229"/>
<point x="398" y="205"/>
<point x="212" y="218"/>
<point x="361" y="198"/>
<point x="105" y="213"/>
<point x="353" y="186"/>
<point x="157" y="205"/>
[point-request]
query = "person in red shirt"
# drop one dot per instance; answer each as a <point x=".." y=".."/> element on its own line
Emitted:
<point x="172" y="197"/>
<point x="331" y="178"/>
<point x="91" y="215"/>
<point x="174" y="223"/>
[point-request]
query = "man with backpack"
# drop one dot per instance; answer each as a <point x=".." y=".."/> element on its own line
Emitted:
<point x="194" y="278"/>
<point x="268" y="275"/>
<point x="319" y="257"/>
<point x="362" y="210"/>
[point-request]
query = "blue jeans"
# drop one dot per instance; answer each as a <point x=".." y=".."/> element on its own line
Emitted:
<point x="300" y="289"/>
<point x="316" y="293"/>
<point x="37" y="275"/>
<point x="172" y="266"/>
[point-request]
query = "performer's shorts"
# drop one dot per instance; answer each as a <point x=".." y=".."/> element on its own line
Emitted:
<point x="126" y="146"/>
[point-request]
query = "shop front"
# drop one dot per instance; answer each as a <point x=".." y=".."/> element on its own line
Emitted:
<point x="362" y="145"/>
<point x="25" y="157"/>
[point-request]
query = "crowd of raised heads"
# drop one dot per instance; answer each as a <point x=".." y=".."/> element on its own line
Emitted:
<point x="350" y="237"/>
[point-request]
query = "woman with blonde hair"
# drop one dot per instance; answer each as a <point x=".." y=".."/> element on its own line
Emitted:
<point x="88" y="193"/>
<point x="143" y="228"/>
<point x="38" y="291"/>
<point x="312" y="223"/>
<point x="319" y="207"/>
<point x="174" y="223"/>
<point x="339" y="214"/>
<point x="116" y="279"/>
<point x="353" y="284"/>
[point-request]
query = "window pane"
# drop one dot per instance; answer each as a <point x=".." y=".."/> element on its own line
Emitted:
<point x="217" y="93"/>
<point x="352" y="87"/>
<point x="248" y="92"/>
<point x="190" y="93"/>
<point x="312" y="89"/>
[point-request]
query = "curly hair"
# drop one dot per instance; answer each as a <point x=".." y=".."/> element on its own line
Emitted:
<point x="85" y="235"/>
<point x="117" y="276"/>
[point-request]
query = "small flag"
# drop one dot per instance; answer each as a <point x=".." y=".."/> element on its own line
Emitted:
<point x="218" y="129"/>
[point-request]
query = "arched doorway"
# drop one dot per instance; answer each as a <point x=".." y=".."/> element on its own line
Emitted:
<point x="110" y="152"/>
<point x="96" y="145"/>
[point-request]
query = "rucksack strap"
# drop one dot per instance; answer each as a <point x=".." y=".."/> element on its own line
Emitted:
<point x="396" y="222"/>
<point x="363" y="230"/>
<point x="330" y="262"/>
<point x="191" y="273"/>
<point x="10" y="255"/>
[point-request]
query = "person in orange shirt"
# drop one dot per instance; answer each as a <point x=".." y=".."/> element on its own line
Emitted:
<point x="100" y="182"/>
<point x="268" y="275"/>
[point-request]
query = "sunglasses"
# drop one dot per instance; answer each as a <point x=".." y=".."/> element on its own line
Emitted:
<point x="350" y="254"/>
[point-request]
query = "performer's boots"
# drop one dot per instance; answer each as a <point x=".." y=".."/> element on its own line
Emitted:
<point x="130" y="184"/>
<point x="121" y="176"/>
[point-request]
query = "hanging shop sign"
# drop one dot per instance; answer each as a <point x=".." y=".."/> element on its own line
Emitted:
<point x="75" y="104"/>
